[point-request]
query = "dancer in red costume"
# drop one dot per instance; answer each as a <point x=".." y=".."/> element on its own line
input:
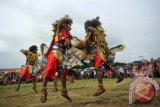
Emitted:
<point x="54" y="55"/>
<point x="44" y="48"/>
<point x="32" y="57"/>
<point x="98" y="48"/>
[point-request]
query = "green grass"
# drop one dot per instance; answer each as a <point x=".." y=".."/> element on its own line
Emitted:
<point x="81" y="92"/>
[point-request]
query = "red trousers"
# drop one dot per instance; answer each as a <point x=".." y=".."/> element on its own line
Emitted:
<point x="51" y="66"/>
<point x="26" y="72"/>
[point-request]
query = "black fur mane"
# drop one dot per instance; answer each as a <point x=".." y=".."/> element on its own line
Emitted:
<point x="33" y="48"/>
<point x="92" y="23"/>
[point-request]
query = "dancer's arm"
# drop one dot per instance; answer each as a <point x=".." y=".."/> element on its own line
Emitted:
<point x="50" y="48"/>
<point x="25" y="52"/>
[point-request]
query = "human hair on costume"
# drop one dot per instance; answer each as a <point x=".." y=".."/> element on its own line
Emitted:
<point x="96" y="23"/>
<point x="87" y="24"/>
<point x="92" y="23"/>
<point x="33" y="48"/>
<point x="64" y="22"/>
<point x="68" y="21"/>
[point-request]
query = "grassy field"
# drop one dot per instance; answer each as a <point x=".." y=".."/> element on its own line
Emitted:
<point x="81" y="92"/>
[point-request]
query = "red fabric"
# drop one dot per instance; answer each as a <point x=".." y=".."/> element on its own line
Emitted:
<point x="158" y="67"/>
<point x="64" y="72"/>
<point x="64" y="36"/>
<point x="25" y="73"/>
<point x="60" y="38"/>
<point x="98" y="61"/>
<point x="65" y="33"/>
<point x="51" y="66"/>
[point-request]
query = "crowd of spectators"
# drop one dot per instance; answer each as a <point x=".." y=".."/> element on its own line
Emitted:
<point x="130" y="70"/>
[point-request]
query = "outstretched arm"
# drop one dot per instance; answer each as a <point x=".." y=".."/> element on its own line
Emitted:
<point x="75" y="38"/>
<point x="50" y="48"/>
<point x="88" y="36"/>
<point x="24" y="51"/>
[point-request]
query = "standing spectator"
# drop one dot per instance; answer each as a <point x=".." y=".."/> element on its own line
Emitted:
<point x="137" y="70"/>
<point x="150" y="69"/>
<point x="158" y="68"/>
<point x="145" y="68"/>
<point x="155" y="72"/>
<point x="82" y="73"/>
<point x="120" y="70"/>
<point x="130" y="70"/>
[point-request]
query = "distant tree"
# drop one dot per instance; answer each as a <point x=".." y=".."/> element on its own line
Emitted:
<point x="118" y="64"/>
<point x="151" y="59"/>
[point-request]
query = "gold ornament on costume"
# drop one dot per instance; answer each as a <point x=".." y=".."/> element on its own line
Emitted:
<point x="31" y="58"/>
<point x="97" y="39"/>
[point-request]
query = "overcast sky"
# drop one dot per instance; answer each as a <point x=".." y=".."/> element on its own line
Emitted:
<point x="135" y="23"/>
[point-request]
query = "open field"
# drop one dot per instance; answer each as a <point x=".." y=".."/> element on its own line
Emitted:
<point x="81" y="92"/>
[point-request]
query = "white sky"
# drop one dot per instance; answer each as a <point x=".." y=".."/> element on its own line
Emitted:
<point x="135" y="23"/>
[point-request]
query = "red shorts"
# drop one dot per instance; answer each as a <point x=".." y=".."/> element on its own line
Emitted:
<point x="26" y="74"/>
<point x="51" y="66"/>
<point x="64" y="72"/>
<point x="98" y="61"/>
